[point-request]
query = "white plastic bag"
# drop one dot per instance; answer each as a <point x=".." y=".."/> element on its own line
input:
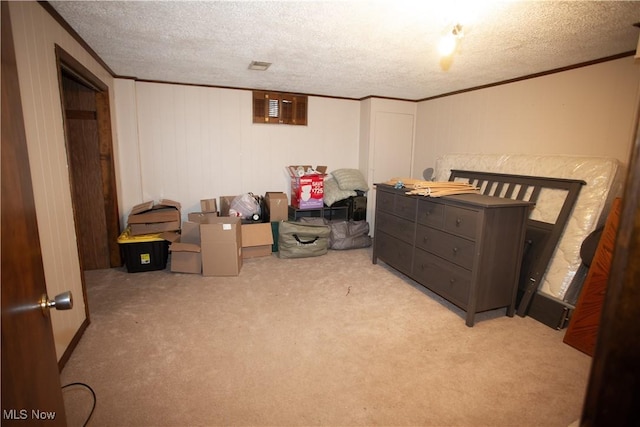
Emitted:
<point x="244" y="206"/>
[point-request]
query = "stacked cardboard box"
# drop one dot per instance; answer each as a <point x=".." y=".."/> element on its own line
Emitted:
<point x="211" y="248"/>
<point x="209" y="244"/>
<point x="185" y="250"/>
<point x="141" y="244"/>
<point x="214" y="245"/>
<point x="148" y="218"/>
<point x="208" y="209"/>
<point x="257" y="240"/>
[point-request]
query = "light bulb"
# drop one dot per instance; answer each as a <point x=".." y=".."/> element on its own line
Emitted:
<point x="447" y="45"/>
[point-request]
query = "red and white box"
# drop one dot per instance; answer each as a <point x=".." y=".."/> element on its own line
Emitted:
<point x="307" y="186"/>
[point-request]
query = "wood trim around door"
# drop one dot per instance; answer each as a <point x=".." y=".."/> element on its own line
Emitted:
<point x="71" y="67"/>
<point x="79" y="72"/>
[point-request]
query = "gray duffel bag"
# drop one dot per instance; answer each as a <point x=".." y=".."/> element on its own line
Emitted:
<point x="345" y="234"/>
<point x="350" y="235"/>
<point x="302" y="240"/>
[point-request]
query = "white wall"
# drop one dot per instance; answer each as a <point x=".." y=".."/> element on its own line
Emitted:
<point x="35" y="34"/>
<point x="199" y="142"/>
<point x="187" y="142"/>
<point x="588" y="111"/>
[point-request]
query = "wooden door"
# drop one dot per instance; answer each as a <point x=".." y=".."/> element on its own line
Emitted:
<point x="87" y="120"/>
<point x="85" y="173"/>
<point x="585" y="320"/>
<point x="612" y="393"/>
<point x="31" y="387"/>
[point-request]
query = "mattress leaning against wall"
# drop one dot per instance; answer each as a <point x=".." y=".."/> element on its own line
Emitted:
<point x="603" y="184"/>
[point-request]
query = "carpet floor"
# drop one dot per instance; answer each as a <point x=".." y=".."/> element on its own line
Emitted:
<point x="327" y="341"/>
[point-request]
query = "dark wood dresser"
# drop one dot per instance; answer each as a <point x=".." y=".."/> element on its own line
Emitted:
<point x="466" y="248"/>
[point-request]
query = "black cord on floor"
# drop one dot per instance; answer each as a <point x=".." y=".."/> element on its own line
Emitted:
<point x="93" y="393"/>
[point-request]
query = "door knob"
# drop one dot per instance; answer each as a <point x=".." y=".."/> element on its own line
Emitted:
<point x="63" y="301"/>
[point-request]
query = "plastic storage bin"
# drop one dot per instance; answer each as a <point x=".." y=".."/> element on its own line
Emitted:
<point x="146" y="252"/>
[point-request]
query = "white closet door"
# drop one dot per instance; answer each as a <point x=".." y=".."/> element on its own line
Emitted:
<point x="393" y="145"/>
<point x="392" y="149"/>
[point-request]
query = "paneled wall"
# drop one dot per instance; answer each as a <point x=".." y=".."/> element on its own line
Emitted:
<point x="35" y="33"/>
<point x="196" y="142"/>
<point x="588" y="111"/>
<point x="187" y="143"/>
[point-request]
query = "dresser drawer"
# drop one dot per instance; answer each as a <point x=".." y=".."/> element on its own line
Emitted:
<point x="397" y="204"/>
<point x="430" y="213"/>
<point x="384" y="201"/>
<point x="402" y="229"/>
<point x="443" y="278"/>
<point x="405" y="207"/>
<point x="463" y="222"/>
<point x="456" y="249"/>
<point x="396" y="253"/>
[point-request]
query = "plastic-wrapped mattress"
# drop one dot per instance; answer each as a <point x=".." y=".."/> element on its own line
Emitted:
<point x="603" y="184"/>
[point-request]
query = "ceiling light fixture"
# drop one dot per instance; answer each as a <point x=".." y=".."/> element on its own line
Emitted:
<point x="448" y="44"/>
<point x="259" y="65"/>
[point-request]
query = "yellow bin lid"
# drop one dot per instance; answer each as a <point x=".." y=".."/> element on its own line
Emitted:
<point x="126" y="237"/>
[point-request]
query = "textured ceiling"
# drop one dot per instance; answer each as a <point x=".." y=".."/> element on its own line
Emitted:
<point x="350" y="49"/>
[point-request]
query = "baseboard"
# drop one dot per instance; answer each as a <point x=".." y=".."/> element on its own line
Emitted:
<point x="72" y="345"/>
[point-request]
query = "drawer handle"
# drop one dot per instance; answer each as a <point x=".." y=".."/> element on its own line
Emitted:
<point x="458" y="222"/>
<point x="455" y="251"/>
<point x="452" y="281"/>
<point x="425" y="239"/>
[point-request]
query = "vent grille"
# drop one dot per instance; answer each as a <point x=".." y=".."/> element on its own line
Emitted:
<point x="259" y="65"/>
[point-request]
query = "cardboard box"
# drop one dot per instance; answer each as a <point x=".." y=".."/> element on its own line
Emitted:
<point x="154" y="227"/>
<point x="185" y="251"/>
<point x="307" y="189"/>
<point x="256" y="240"/>
<point x="148" y="212"/>
<point x="185" y="258"/>
<point x="147" y="217"/>
<point x="221" y="247"/>
<point x="201" y="217"/>
<point x="208" y="205"/>
<point x="190" y="232"/>
<point x="277" y="204"/>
